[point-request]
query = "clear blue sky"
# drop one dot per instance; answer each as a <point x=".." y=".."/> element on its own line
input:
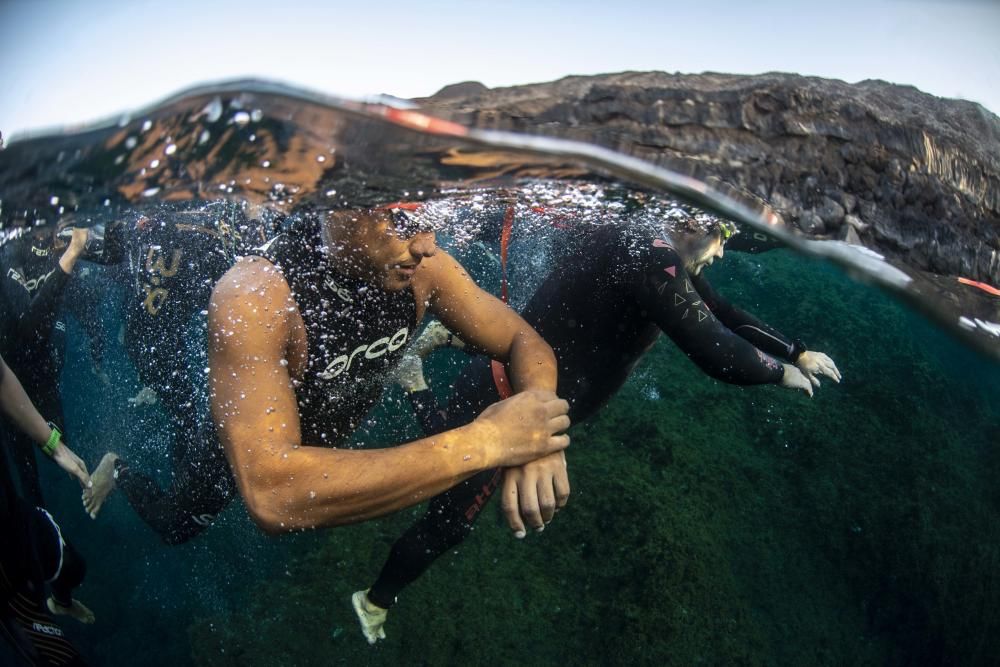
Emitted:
<point x="71" y="62"/>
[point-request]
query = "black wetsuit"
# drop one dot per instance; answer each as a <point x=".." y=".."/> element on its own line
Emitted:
<point x="356" y="334"/>
<point x="32" y="553"/>
<point x="35" y="297"/>
<point x="175" y="257"/>
<point x="612" y="291"/>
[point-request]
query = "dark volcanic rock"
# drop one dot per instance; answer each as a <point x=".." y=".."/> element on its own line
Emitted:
<point x="919" y="174"/>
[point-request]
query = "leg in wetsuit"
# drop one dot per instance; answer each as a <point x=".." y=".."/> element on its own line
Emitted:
<point x="450" y="516"/>
<point x="31" y="635"/>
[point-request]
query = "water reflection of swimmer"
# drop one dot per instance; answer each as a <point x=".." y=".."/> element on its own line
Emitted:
<point x="34" y="551"/>
<point x="601" y="308"/>
<point x="175" y="255"/>
<point x="34" y="290"/>
<point x="303" y="340"/>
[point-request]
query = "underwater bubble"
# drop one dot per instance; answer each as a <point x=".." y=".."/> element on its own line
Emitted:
<point x="147" y="125"/>
<point x="241" y="118"/>
<point x="154" y="164"/>
<point x="150" y="192"/>
<point x="54" y="201"/>
<point x="170" y="149"/>
<point x="204" y="136"/>
<point x="256" y="115"/>
<point x="131" y="142"/>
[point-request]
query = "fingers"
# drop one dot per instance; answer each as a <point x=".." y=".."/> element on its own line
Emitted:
<point x="558" y="442"/>
<point x="559" y="424"/>
<point x="546" y="501"/>
<point x="531" y="514"/>
<point x="560" y="484"/>
<point x="555" y="407"/>
<point x="510" y="506"/>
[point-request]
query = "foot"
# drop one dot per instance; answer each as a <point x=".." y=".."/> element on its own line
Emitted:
<point x="146" y="396"/>
<point x="410" y="374"/>
<point x="102" y="484"/>
<point x="434" y="336"/>
<point x="371" y="616"/>
<point x="76" y="610"/>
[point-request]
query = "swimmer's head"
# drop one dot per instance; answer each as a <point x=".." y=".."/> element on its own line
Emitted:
<point x="700" y="239"/>
<point x="382" y="245"/>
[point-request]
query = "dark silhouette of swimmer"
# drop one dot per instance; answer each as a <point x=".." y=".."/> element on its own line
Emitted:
<point x="33" y="550"/>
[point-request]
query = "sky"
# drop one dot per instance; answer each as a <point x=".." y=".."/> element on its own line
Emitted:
<point x="70" y="62"/>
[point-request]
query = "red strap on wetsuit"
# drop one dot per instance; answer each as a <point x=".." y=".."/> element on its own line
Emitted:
<point x="499" y="374"/>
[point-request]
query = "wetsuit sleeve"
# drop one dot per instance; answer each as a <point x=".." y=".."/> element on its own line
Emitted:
<point x="40" y="315"/>
<point x="425" y="408"/>
<point x="760" y="335"/>
<point x="665" y="292"/>
<point x="86" y="309"/>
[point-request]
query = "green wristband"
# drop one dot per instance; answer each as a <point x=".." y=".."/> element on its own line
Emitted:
<point x="50" y="447"/>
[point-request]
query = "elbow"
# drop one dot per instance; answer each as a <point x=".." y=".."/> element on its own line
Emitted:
<point x="268" y="521"/>
<point x="265" y="509"/>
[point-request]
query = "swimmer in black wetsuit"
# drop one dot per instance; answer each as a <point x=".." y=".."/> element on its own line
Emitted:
<point x="32" y="549"/>
<point x="35" y="287"/>
<point x="610" y="295"/>
<point x="175" y="256"/>
<point x="304" y="336"/>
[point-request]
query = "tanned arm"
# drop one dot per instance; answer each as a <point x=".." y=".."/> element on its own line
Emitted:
<point x="288" y="484"/>
<point x="482" y="320"/>
<point x="532" y="492"/>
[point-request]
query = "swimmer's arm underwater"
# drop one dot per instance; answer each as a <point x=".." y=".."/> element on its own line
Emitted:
<point x="532" y="492"/>
<point x="16" y="405"/>
<point x="765" y="337"/>
<point x="38" y="318"/>
<point x="289" y="485"/>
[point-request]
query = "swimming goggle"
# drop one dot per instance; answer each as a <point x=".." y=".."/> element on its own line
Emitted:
<point x="404" y="223"/>
<point x="727" y="230"/>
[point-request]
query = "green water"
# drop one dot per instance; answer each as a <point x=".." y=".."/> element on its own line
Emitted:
<point x="709" y="524"/>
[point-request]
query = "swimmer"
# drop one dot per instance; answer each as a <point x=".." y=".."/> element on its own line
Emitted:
<point x="303" y="338"/>
<point x="604" y="304"/>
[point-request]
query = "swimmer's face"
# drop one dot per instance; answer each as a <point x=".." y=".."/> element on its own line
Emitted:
<point x="704" y="253"/>
<point x="383" y="254"/>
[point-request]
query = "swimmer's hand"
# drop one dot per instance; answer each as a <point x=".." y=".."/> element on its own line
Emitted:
<point x="816" y="363"/>
<point x="534" y="492"/>
<point x="525" y="427"/>
<point x="71" y="463"/>
<point x="794" y="379"/>
<point x="77" y="244"/>
<point x="146" y="396"/>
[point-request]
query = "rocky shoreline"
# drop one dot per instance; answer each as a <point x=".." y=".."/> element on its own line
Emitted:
<point x="910" y="175"/>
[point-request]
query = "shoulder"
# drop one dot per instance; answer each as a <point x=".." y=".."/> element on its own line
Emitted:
<point x="252" y="291"/>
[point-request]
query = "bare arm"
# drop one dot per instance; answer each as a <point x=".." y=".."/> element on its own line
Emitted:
<point x="288" y="484"/>
<point x="532" y="492"/>
<point x="488" y="324"/>
<point x="18" y="407"/>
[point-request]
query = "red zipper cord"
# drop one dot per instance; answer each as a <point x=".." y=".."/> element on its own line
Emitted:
<point x="499" y="374"/>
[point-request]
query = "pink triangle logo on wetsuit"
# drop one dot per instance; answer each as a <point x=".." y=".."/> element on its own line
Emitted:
<point x="672" y="270"/>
